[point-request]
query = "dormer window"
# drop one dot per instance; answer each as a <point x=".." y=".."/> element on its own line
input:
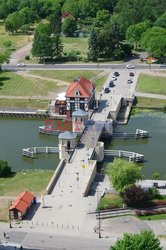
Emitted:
<point x="77" y="93"/>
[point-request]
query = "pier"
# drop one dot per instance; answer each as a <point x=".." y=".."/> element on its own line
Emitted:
<point x="32" y="113"/>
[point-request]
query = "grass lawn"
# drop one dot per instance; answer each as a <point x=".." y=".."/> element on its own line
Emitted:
<point x="20" y="103"/>
<point x="151" y="84"/>
<point x="66" y="75"/>
<point x="100" y="82"/>
<point x="16" y="85"/>
<point x="76" y="43"/>
<point x="153" y="217"/>
<point x="110" y="201"/>
<point x="17" y="40"/>
<point x="32" y="180"/>
<point x="150" y="102"/>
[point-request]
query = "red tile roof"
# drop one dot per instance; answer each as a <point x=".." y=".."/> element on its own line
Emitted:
<point x="22" y="202"/>
<point x="82" y="85"/>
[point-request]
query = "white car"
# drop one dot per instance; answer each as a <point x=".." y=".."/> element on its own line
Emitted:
<point x="114" y="78"/>
<point x="129" y="66"/>
<point x="20" y="64"/>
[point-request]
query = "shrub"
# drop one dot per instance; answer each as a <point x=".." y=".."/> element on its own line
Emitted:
<point x="150" y="212"/>
<point x="135" y="196"/>
<point x="27" y="57"/>
<point x="159" y="202"/>
<point x="5" y="170"/>
<point x="154" y="193"/>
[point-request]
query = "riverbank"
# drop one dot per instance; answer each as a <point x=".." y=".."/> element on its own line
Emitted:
<point x="34" y="181"/>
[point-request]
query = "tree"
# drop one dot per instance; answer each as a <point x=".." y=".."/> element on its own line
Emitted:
<point x="28" y="16"/>
<point x="88" y="8"/>
<point x="5" y="170"/>
<point x="154" y="41"/>
<point x="155" y="175"/>
<point x="57" y="46"/>
<point x="69" y="26"/>
<point x="134" y="32"/>
<point x="13" y="22"/>
<point x="102" y="18"/>
<point x="144" y="240"/>
<point x="4" y="56"/>
<point x="123" y="173"/>
<point x="42" y="44"/>
<point x="135" y="196"/>
<point x="71" y="7"/>
<point x="161" y="21"/>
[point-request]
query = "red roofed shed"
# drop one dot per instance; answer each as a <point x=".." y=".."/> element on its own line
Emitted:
<point x="20" y="206"/>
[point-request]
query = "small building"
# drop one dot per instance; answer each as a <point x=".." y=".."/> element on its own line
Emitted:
<point x="67" y="143"/>
<point x="20" y="206"/>
<point x="80" y="95"/>
<point x="60" y="104"/>
<point x="79" y="120"/>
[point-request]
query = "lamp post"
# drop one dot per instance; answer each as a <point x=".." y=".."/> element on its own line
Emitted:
<point x="77" y="179"/>
<point x="98" y="211"/>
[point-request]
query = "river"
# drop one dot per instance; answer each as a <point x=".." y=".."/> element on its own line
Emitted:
<point x="16" y="134"/>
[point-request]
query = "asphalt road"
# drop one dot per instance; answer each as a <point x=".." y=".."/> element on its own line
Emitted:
<point x="77" y="66"/>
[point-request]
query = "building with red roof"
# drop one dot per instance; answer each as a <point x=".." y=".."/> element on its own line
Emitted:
<point x="20" y="206"/>
<point x="80" y="95"/>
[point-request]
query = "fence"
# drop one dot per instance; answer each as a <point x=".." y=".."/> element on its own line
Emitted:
<point x="125" y="154"/>
<point x="31" y="152"/>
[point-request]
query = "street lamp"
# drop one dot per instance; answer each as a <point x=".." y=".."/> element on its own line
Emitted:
<point x="98" y="211"/>
<point x="77" y="179"/>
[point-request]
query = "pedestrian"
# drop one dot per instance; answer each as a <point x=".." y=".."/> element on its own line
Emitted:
<point x="4" y="234"/>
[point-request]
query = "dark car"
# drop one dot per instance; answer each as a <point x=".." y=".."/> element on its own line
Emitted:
<point x="129" y="81"/>
<point x="116" y="73"/>
<point x="111" y="84"/>
<point x="106" y="90"/>
<point x="131" y="74"/>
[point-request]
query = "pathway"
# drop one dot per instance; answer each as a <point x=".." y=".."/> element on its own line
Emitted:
<point x="150" y="95"/>
<point x="17" y="55"/>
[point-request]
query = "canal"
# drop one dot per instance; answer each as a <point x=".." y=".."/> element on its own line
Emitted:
<point x="153" y="148"/>
<point x="16" y="134"/>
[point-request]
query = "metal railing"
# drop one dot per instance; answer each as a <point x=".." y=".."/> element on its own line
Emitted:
<point x="31" y="152"/>
<point x="132" y="156"/>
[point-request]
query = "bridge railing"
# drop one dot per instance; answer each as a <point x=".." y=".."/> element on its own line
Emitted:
<point x="132" y="156"/>
<point x="31" y="152"/>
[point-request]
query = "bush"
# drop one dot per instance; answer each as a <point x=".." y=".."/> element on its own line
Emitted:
<point x="5" y="170"/>
<point x="72" y="55"/>
<point x="27" y="57"/>
<point x="136" y="197"/>
<point x="154" y="193"/>
<point x="159" y="202"/>
<point x="150" y="212"/>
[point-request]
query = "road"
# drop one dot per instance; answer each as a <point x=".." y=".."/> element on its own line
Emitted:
<point x="76" y="66"/>
<point x="17" y="55"/>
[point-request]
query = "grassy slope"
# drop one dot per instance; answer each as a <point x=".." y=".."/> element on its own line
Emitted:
<point x="17" y="40"/>
<point x="110" y="201"/>
<point x="16" y="85"/>
<point x="150" y="102"/>
<point x="65" y="75"/>
<point x="151" y="84"/>
<point x="19" y="103"/>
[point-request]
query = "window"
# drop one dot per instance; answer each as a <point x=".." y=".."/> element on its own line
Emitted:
<point x="82" y="106"/>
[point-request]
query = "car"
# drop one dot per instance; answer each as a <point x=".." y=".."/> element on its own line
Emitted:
<point x="20" y="64"/>
<point x="129" y="81"/>
<point x="111" y="84"/>
<point x="106" y="90"/>
<point x="114" y="78"/>
<point x="131" y="74"/>
<point x="129" y="66"/>
<point x="116" y="73"/>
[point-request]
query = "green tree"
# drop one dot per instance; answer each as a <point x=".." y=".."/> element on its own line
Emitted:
<point x="144" y="240"/>
<point x="134" y="32"/>
<point x="155" y="175"/>
<point x="57" y="46"/>
<point x="4" y="56"/>
<point x="69" y="26"/>
<point x="87" y="8"/>
<point x="154" y="41"/>
<point x="13" y="22"/>
<point x="161" y="21"/>
<point x="123" y="174"/>
<point x="28" y="16"/>
<point x="42" y="44"/>
<point x="102" y="18"/>
<point x="71" y="7"/>
<point x="5" y="170"/>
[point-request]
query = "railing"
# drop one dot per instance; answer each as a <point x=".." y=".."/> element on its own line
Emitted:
<point x="31" y="152"/>
<point x="125" y="154"/>
<point x="137" y="135"/>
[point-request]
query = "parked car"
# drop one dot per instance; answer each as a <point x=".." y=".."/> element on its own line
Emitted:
<point x="111" y="84"/>
<point x="106" y="90"/>
<point x="129" y="81"/>
<point x="114" y="78"/>
<point x="129" y="66"/>
<point x="116" y="73"/>
<point x="131" y="74"/>
<point x="20" y="64"/>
